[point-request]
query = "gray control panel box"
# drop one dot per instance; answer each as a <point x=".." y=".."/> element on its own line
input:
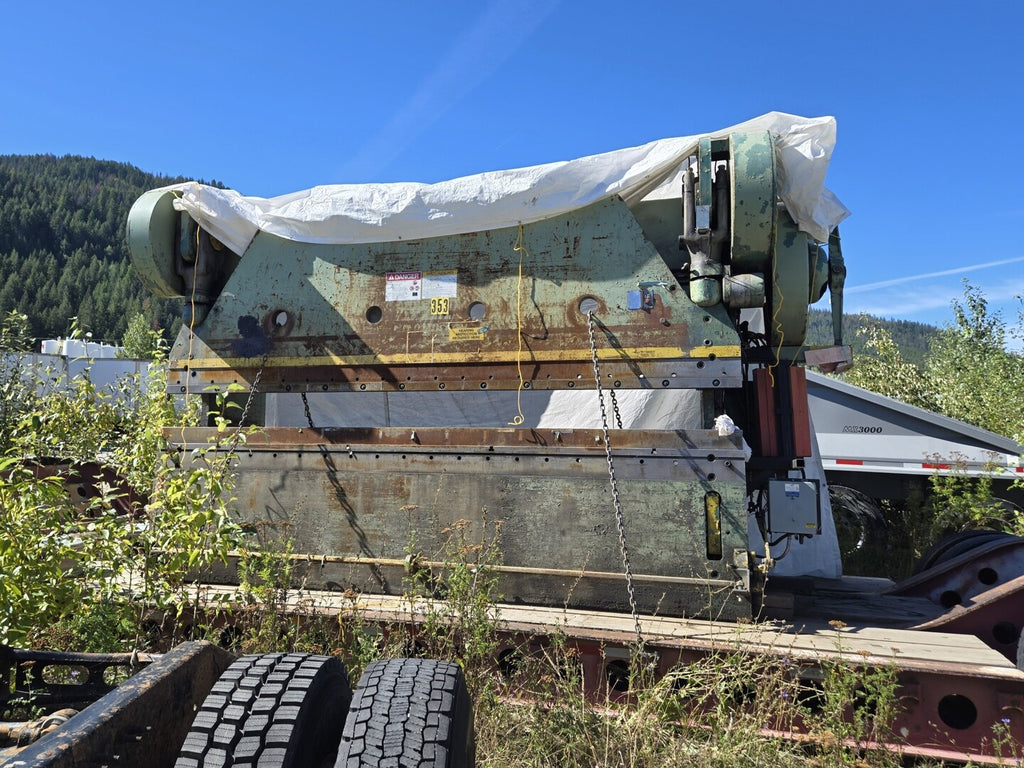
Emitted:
<point x="794" y="507"/>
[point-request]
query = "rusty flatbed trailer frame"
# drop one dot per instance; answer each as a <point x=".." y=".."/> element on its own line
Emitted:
<point x="952" y="688"/>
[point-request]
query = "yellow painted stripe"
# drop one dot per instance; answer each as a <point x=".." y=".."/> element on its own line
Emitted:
<point x="427" y="358"/>
<point x="723" y="351"/>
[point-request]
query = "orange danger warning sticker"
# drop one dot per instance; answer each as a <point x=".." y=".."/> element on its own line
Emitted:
<point x="403" y="286"/>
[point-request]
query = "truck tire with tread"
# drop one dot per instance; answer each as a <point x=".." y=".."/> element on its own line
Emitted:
<point x="409" y="712"/>
<point x="860" y="524"/>
<point x="271" y="711"/>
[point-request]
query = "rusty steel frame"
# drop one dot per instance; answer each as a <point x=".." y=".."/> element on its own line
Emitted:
<point x="961" y="579"/>
<point x="995" y="617"/>
<point x="954" y="694"/>
<point x="944" y="712"/>
<point x="143" y="721"/>
<point x="25" y="675"/>
<point x="981" y="592"/>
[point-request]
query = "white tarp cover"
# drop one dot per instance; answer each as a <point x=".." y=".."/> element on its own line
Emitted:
<point x="368" y="213"/>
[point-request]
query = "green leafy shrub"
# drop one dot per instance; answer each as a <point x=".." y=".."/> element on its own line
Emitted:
<point x="58" y="556"/>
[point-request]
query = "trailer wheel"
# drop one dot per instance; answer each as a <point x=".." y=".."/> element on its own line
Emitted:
<point x="860" y="524"/>
<point x="414" y="712"/>
<point x="271" y="711"/>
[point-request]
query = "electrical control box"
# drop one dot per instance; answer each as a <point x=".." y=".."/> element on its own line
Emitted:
<point x="794" y="507"/>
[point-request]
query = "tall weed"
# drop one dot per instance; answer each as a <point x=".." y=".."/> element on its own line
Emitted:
<point x="62" y="560"/>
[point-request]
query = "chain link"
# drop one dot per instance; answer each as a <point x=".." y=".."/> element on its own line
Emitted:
<point x="615" y="408"/>
<point x="252" y="392"/>
<point x="237" y="436"/>
<point x="619" y="519"/>
<point x="305" y="407"/>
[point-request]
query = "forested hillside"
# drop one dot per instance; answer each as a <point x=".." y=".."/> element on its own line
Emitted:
<point x="62" y="246"/>
<point x="913" y="339"/>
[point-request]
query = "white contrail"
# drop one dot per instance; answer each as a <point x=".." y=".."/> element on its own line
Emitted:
<point x="943" y="273"/>
<point x="502" y="27"/>
<point x="1003" y="297"/>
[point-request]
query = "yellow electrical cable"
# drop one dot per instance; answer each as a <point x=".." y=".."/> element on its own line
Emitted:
<point x="775" y="321"/>
<point x="192" y="312"/>
<point x="778" y="328"/>
<point x="519" y="248"/>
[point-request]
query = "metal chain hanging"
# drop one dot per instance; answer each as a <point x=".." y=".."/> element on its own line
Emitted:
<point x="619" y="519"/>
<point x="615" y="408"/>
<point x="252" y="393"/>
<point x="237" y="436"/>
<point x="305" y="407"/>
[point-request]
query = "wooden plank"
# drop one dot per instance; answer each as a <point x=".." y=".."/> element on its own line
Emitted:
<point x="931" y="652"/>
<point x="801" y="417"/>
<point x="767" y="432"/>
<point x="817" y="639"/>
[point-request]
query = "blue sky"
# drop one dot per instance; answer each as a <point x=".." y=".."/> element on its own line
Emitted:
<point x="270" y="98"/>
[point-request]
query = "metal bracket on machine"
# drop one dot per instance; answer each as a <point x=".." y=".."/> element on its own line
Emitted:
<point x="642" y="298"/>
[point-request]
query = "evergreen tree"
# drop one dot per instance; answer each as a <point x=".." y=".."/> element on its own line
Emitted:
<point x="140" y="341"/>
<point x="62" y="246"/>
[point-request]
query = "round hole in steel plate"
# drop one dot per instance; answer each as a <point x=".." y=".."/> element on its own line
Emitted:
<point x="988" y="576"/>
<point x="1005" y="633"/>
<point x="949" y="598"/>
<point x="957" y="711"/>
